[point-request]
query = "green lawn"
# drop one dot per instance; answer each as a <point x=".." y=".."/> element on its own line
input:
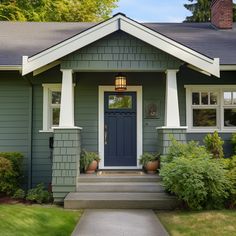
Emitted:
<point x="35" y="220"/>
<point x="202" y="223"/>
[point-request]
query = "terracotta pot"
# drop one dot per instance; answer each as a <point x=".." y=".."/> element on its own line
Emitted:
<point x="151" y="167"/>
<point x="92" y="167"/>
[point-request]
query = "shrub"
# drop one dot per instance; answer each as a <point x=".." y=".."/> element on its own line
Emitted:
<point x="200" y="182"/>
<point x="8" y="181"/>
<point x="214" y="145"/>
<point x="189" y="150"/>
<point x="19" y="194"/>
<point x="39" y="194"/>
<point x="231" y="174"/>
<point x="233" y="141"/>
<point x="86" y="158"/>
<point x="10" y="172"/>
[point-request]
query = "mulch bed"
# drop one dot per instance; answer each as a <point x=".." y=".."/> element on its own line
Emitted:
<point x="8" y="200"/>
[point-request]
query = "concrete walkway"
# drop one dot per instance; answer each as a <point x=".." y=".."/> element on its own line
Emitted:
<point x="119" y="223"/>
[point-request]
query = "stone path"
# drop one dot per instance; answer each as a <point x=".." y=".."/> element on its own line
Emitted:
<point x="119" y="223"/>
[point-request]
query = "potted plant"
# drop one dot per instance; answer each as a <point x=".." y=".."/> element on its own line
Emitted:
<point x="150" y="162"/>
<point x="89" y="161"/>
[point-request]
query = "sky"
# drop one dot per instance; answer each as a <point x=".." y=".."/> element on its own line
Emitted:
<point x="154" y="10"/>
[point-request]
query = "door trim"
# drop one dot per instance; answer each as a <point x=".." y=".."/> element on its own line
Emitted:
<point x="139" y="117"/>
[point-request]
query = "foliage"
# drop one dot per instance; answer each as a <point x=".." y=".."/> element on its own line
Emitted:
<point x="10" y="172"/>
<point x="189" y="150"/>
<point x="37" y="220"/>
<point x="200" y="182"/>
<point x="86" y="158"/>
<point x="231" y="174"/>
<point x="39" y="194"/>
<point x="19" y="194"/>
<point x="214" y="145"/>
<point x="233" y="141"/>
<point x="147" y="156"/>
<point x="201" y="10"/>
<point x="58" y="10"/>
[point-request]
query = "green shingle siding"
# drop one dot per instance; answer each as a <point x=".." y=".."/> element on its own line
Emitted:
<point x="120" y="51"/>
<point x="14" y="116"/>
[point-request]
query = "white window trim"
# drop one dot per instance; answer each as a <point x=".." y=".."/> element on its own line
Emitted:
<point x="47" y="89"/>
<point x="220" y="89"/>
<point x="101" y="91"/>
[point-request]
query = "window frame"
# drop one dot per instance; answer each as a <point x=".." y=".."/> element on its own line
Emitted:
<point x="219" y="89"/>
<point x="47" y="105"/>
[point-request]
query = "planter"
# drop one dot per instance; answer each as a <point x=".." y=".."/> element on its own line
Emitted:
<point x="92" y="167"/>
<point x="152" y="166"/>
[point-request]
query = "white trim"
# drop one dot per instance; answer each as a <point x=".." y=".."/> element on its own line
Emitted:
<point x="227" y="67"/>
<point x="138" y="90"/>
<point x="219" y="89"/>
<point x="120" y="22"/>
<point x="47" y="89"/>
<point x="11" y="67"/>
<point x="165" y="127"/>
<point x="171" y="100"/>
<point x="67" y="99"/>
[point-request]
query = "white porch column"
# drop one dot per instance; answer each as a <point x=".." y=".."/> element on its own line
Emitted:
<point x="172" y="104"/>
<point x="67" y="100"/>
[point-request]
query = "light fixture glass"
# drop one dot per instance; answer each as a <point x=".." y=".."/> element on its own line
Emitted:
<point x="120" y="82"/>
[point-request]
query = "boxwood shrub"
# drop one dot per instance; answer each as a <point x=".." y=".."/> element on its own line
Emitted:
<point x="10" y="172"/>
<point x="195" y="177"/>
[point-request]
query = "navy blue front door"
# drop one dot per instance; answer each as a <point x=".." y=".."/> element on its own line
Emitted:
<point x="120" y="134"/>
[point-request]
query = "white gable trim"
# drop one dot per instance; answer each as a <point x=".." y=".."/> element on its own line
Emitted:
<point x="120" y="22"/>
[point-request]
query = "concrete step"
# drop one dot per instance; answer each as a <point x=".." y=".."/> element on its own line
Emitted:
<point x="159" y="201"/>
<point x="83" y="178"/>
<point x="120" y="187"/>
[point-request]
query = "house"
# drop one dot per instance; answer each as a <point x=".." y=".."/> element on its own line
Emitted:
<point x="57" y="80"/>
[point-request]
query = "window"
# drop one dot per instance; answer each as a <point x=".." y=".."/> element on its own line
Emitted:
<point x="229" y="106"/>
<point x="211" y="108"/>
<point x="120" y="102"/>
<point x="51" y="105"/>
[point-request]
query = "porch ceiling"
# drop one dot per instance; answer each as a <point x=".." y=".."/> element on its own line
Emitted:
<point x="121" y="22"/>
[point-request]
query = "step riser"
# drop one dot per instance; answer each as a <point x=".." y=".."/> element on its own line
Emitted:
<point x="107" y="204"/>
<point x="117" y="179"/>
<point x="104" y="188"/>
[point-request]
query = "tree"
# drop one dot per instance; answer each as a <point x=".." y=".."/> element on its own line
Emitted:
<point x="201" y="11"/>
<point x="56" y="10"/>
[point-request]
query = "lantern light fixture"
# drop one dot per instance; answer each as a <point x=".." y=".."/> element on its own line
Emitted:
<point x="120" y="82"/>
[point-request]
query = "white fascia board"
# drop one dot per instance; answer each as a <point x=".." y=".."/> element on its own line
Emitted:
<point x="170" y="46"/>
<point x="131" y="27"/>
<point x="228" y="67"/>
<point x="11" y="68"/>
<point x="62" y="49"/>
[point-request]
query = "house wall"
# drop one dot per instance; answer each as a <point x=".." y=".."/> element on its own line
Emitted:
<point x="14" y="116"/>
<point x="119" y="51"/>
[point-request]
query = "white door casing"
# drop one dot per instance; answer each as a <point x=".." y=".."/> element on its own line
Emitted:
<point x="101" y="91"/>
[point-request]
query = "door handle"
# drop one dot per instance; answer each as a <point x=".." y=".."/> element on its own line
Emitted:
<point x="105" y="134"/>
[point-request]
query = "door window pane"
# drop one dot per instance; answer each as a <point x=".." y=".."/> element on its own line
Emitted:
<point x="227" y="98"/>
<point x="204" y="117"/>
<point x="195" y="98"/>
<point x="55" y="116"/>
<point x="120" y="102"/>
<point x="204" y="98"/>
<point x="230" y="117"/>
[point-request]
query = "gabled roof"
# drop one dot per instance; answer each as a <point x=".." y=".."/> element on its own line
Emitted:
<point x="28" y="38"/>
